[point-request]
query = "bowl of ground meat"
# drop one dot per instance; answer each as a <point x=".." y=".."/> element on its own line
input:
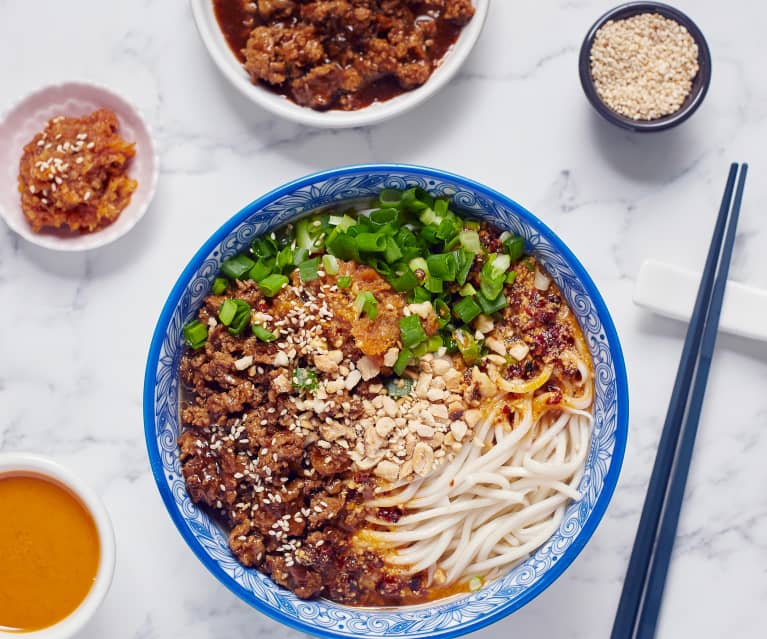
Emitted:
<point x="385" y="401"/>
<point x="335" y="63"/>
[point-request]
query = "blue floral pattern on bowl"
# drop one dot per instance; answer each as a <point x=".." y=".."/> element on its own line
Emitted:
<point x="444" y="618"/>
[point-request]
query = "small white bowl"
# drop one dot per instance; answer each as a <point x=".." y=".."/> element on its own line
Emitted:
<point x="230" y="67"/>
<point x="31" y="464"/>
<point x="28" y="116"/>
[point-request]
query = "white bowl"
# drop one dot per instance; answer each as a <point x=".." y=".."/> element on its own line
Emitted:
<point x="28" y="116"/>
<point x="230" y="67"/>
<point x="31" y="464"/>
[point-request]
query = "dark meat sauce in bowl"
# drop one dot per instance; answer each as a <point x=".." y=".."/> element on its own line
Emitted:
<point x="341" y="54"/>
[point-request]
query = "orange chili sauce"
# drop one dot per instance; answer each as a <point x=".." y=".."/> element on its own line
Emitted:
<point x="49" y="552"/>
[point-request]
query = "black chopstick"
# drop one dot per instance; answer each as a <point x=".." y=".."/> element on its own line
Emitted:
<point x="639" y="605"/>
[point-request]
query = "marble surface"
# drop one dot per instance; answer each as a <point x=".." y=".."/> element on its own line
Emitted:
<point x="75" y="329"/>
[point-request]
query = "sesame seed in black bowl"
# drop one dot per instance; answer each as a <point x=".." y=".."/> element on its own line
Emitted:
<point x="645" y="66"/>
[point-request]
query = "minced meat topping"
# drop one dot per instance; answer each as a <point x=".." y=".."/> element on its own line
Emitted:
<point x="342" y="53"/>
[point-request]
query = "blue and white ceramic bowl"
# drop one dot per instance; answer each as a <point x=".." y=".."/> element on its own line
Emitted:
<point x="446" y="618"/>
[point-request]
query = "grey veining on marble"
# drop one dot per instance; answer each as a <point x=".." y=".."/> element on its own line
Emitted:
<point x="75" y="329"/>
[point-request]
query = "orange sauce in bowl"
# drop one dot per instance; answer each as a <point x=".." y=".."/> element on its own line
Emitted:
<point x="49" y="552"/>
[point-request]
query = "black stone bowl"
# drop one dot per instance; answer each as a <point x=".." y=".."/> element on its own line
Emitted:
<point x="700" y="82"/>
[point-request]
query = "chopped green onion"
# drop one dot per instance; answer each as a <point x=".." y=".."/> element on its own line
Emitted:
<point x="418" y="264"/>
<point x="511" y="277"/>
<point x="309" y="270"/>
<point x="235" y="268"/>
<point x="219" y="286"/>
<point x="474" y="225"/>
<point x="440" y="206"/>
<point x="467" y="290"/>
<point x="434" y="343"/>
<point x="383" y="217"/>
<point x="403" y="359"/>
<point x="304" y="379"/>
<point x="392" y="252"/>
<point x="443" y="266"/>
<point x="366" y="302"/>
<point x="515" y="247"/>
<point x="420" y="350"/>
<point x="530" y="265"/>
<point x="303" y="238"/>
<point x="400" y="387"/>
<point x="465" y="260"/>
<point x="411" y="331"/>
<point x="263" y="334"/>
<point x="390" y="197"/>
<point x="264" y="246"/>
<point x="416" y="199"/>
<point x="433" y="284"/>
<point x="330" y="264"/>
<point x="371" y="242"/>
<point x="344" y="281"/>
<point x="271" y="285"/>
<point x="466" y="310"/>
<point x="448" y="228"/>
<point x="195" y="333"/>
<point x="490" y="306"/>
<point x="343" y="247"/>
<point x="429" y="217"/>
<point x="467" y="346"/>
<point x="235" y="314"/>
<point x="226" y="312"/>
<point x="299" y="255"/>
<point x="261" y="269"/>
<point x="442" y="311"/>
<point x="420" y="294"/>
<point x="404" y="282"/>
<point x="500" y="264"/>
<point x="470" y="241"/>
<point x="284" y="259"/>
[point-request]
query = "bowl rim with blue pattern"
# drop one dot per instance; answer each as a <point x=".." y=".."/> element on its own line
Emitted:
<point x="442" y="618"/>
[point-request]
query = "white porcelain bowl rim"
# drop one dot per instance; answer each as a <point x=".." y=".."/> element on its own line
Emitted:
<point x="230" y="67"/>
<point x="33" y="464"/>
<point x="144" y="167"/>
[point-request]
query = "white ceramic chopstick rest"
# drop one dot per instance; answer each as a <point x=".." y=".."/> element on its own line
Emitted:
<point x="670" y="291"/>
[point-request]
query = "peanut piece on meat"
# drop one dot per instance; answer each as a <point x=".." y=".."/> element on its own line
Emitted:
<point x="483" y="382"/>
<point x="440" y="366"/>
<point x="494" y="344"/>
<point x="423" y="459"/>
<point x="384" y="426"/>
<point x="435" y="394"/>
<point x="373" y="441"/>
<point x="353" y="379"/>
<point x="390" y="357"/>
<point x="281" y="384"/>
<point x="243" y="363"/>
<point x="459" y="429"/>
<point x="422" y="386"/>
<point x="423" y="310"/>
<point x="324" y="363"/>
<point x="472" y="417"/>
<point x="389" y="406"/>
<point x="367" y="368"/>
<point x="406" y="469"/>
<point x="484" y="324"/>
<point x="425" y="431"/>
<point x="281" y="359"/>
<point x="439" y="411"/>
<point x="453" y="379"/>
<point x="519" y="350"/>
<point x="387" y="470"/>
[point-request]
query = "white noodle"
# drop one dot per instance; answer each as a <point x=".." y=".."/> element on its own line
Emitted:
<point x="503" y="495"/>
